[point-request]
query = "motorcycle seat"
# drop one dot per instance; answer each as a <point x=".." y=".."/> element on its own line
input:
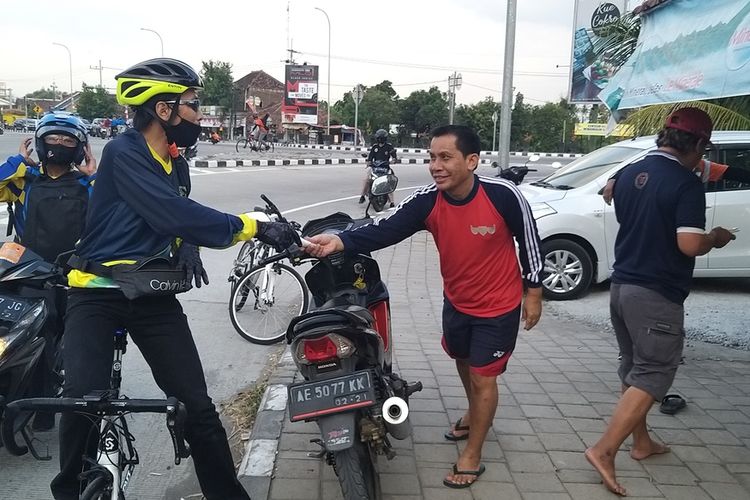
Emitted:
<point x="350" y="315"/>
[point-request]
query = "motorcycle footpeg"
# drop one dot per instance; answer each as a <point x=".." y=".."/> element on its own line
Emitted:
<point x="415" y="387"/>
<point x="317" y="454"/>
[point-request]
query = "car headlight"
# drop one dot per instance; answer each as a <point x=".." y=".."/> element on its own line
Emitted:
<point x="539" y="210"/>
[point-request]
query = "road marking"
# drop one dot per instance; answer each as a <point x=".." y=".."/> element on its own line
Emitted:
<point x="337" y="200"/>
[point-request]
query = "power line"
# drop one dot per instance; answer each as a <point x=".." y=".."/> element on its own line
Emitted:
<point x="392" y="85"/>
<point x="437" y="68"/>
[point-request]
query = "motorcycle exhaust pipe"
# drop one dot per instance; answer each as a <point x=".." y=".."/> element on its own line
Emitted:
<point x="396" y="416"/>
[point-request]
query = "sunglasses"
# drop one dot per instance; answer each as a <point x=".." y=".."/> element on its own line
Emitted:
<point x="193" y="104"/>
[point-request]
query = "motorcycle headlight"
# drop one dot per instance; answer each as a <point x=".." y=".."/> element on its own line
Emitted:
<point x="34" y="317"/>
<point x="539" y="210"/>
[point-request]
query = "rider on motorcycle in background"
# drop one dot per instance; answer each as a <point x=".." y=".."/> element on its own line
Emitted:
<point x="380" y="151"/>
<point x="47" y="205"/>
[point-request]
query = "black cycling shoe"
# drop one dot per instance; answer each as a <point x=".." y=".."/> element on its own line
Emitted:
<point x="361" y="199"/>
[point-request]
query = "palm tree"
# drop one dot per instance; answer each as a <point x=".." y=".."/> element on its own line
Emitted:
<point x="728" y="113"/>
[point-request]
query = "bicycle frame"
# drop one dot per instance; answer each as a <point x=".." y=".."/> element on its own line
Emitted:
<point x="115" y="451"/>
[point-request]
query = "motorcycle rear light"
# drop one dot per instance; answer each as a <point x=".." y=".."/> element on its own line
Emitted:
<point x="322" y="349"/>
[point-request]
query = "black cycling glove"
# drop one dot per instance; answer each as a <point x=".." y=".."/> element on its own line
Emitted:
<point x="280" y="235"/>
<point x="189" y="259"/>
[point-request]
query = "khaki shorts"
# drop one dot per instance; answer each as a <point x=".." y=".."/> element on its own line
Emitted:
<point x="650" y="333"/>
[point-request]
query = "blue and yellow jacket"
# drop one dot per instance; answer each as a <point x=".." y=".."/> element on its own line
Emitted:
<point x="141" y="205"/>
<point x="16" y="181"/>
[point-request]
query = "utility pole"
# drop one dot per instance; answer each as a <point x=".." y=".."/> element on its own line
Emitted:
<point x="454" y="83"/>
<point x="507" y="97"/>
<point x="357" y="94"/>
<point x="100" y="68"/>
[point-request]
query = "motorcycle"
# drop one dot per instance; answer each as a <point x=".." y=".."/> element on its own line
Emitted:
<point x="22" y="318"/>
<point x="516" y="173"/>
<point x="382" y="182"/>
<point x="343" y="349"/>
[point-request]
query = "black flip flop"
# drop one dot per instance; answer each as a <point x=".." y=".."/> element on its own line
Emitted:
<point x="458" y="427"/>
<point x="476" y="473"/>
<point x="672" y="403"/>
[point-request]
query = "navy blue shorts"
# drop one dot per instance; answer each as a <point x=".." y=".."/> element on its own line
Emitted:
<point x="486" y="343"/>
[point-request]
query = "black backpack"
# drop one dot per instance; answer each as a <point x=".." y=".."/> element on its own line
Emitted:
<point x="55" y="213"/>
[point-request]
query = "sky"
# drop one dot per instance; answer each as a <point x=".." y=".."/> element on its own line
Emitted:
<point x="426" y="40"/>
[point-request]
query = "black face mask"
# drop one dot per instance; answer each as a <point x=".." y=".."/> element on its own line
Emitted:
<point x="184" y="134"/>
<point x="57" y="154"/>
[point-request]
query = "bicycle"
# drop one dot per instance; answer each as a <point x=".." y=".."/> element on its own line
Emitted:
<point x="108" y="476"/>
<point x="264" y="299"/>
<point x="259" y="145"/>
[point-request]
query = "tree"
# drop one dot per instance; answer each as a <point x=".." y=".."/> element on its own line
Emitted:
<point x="342" y="112"/>
<point x="520" y="124"/>
<point x="552" y="125"/>
<point x="43" y="93"/>
<point x="479" y="117"/>
<point x="424" y="110"/>
<point x="217" y="83"/>
<point x="377" y="110"/>
<point x="96" y="102"/>
<point x="387" y="88"/>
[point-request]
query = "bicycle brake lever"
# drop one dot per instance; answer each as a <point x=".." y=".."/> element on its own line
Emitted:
<point x="176" y="415"/>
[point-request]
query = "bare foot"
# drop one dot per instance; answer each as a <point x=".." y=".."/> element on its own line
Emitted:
<point x="605" y="466"/>
<point x="653" y="448"/>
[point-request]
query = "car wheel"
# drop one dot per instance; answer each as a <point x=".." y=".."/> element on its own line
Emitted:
<point x="567" y="269"/>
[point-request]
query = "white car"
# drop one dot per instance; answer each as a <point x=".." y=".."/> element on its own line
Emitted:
<point x="578" y="229"/>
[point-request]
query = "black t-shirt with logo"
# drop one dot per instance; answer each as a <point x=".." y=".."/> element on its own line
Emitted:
<point x="381" y="152"/>
<point x="654" y="199"/>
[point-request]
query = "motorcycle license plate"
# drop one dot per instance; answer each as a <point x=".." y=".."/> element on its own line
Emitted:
<point x="12" y="308"/>
<point x="334" y="395"/>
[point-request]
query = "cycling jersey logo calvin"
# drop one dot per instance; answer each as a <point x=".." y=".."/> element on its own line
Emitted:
<point x="482" y="230"/>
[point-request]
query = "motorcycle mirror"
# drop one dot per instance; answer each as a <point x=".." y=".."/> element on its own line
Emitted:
<point x="556" y="164"/>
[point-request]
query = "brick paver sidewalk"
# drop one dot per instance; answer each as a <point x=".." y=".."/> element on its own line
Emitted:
<point x="555" y="399"/>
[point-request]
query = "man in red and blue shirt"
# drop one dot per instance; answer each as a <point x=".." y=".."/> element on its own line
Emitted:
<point x="474" y="222"/>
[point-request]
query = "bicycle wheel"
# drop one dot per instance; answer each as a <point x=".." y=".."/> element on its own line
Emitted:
<point x="268" y="146"/>
<point x="241" y="143"/>
<point x="99" y="488"/>
<point x="264" y="302"/>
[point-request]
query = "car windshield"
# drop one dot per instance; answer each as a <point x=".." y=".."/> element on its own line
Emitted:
<point x="585" y="169"/>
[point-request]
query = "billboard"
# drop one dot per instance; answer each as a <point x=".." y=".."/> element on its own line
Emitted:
<point x="589" y="74"/>
<point x="686" y="52"/>
<point x="300" y="95"/>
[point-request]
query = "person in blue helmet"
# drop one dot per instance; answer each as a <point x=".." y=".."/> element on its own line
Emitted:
<point x="47" y="201"/>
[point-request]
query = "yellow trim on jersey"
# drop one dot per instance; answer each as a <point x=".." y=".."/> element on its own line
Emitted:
<point x="249" y="229"/>
<point x="166" y="165"/>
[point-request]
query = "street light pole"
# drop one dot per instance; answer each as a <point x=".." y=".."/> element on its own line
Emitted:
<point x="160" y="40"/>
<point x="70" y="65"/>
<point x="328" y="126"/>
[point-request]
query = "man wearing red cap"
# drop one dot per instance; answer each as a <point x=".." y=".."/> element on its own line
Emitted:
<point x="661" y="210"/>
<point x="708" y="171"/>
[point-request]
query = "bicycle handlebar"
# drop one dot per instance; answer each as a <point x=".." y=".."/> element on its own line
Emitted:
<point x="174" y="410"/>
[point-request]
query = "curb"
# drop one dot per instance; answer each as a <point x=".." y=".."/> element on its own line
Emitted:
<point x="425" y="151"/>
<point x="257" y="467"/>
<point x="299" y="161"/>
